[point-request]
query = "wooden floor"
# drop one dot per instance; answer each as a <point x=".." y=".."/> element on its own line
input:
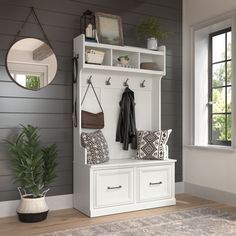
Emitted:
<point x="70" y="218"/>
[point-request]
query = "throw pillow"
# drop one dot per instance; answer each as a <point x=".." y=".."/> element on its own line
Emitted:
<point x="151" y="144"/>
<point x="96" y="146"/>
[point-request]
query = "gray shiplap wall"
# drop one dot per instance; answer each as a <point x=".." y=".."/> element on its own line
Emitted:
<point x="50" y="108"/>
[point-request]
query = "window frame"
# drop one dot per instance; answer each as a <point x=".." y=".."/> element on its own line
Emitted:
<point x="225" y="86"/>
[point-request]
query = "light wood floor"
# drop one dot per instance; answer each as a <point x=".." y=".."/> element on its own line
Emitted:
<point x="70" y="218"/>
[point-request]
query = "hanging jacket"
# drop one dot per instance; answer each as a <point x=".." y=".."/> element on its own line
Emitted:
<point x="126" y="127"/>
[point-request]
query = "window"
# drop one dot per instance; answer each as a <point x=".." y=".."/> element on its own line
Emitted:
<point x="220" y="76"/>
<point x="33" y="76"/>
<point x="212" y="75"/>
<point x="28" y="80"/>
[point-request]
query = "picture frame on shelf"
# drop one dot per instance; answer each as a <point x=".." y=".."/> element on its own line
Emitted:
<point x="109" y="29"/>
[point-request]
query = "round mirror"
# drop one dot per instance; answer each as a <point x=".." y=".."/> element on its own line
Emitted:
<point x="31" y="63"/>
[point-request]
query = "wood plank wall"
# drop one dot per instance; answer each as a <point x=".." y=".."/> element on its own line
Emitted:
<point x="51" y="107"/>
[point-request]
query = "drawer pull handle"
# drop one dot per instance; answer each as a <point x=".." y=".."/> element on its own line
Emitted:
<point x="117" y="187"/>
<point x="157" y="183"/>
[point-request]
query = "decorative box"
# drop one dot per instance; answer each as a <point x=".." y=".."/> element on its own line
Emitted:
<point x="94" y="56"/>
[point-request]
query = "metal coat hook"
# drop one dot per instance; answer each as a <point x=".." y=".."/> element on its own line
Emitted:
<point x="142" y="85"/>
<point x="126" y="83"/>
<point x="89" y="81"/>
<point x="108" y="81"/>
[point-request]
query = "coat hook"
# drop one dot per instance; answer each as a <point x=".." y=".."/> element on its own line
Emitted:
<point x="126" y="83"/>
<point x="108" y="81"/>
<point x="89" y="81"/>
<point x="142" y="85"/>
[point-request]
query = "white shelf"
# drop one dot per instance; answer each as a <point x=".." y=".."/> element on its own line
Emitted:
<point x="160" y="52"/>
<point x="136" y="55"/>
<point x="130" y="162"/>
<point x="122" y="69"/>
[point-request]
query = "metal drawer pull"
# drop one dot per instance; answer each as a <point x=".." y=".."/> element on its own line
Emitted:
<point x="114" y="187"/>
<point x="157" y="183"/>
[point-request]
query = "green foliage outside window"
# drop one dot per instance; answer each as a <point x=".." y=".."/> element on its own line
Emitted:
<point x="33" y="81"/>
<point x="220" y="122"/>
<point x="219" y="127"/>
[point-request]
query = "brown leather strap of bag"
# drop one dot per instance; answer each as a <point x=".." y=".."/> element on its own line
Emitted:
<point x="90" y="83"/>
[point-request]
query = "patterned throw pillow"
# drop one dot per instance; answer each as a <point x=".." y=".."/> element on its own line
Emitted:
<point x="96" y="145"/>
<point x="151" y="145"/>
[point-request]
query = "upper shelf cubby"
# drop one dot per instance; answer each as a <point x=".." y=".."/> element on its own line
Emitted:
<point x="141" y="60"/>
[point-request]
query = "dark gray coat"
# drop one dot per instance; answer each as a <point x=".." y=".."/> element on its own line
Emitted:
<point x="126" y="127"/>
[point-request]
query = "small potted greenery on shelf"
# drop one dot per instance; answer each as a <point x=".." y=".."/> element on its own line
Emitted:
<point x="150" y="29"/>
<point x="34" y="168"/>
<point x="124" y="60"/>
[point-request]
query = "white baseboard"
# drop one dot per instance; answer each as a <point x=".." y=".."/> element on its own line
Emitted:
<point x="8" y="208"/>
<point x="179" y="187"/>
<point x="210" y="194"/>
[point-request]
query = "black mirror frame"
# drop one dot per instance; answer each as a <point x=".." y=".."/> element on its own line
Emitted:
<point x="8" y="72"/>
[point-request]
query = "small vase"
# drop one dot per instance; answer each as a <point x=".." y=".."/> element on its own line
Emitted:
<point x="152" y="44"/>
<point x="124" y="62"/>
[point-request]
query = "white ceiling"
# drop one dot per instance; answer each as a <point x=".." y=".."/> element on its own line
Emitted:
<point x="28" y="44"/>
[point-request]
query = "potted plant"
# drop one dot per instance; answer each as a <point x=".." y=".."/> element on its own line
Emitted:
<point x="34" y="168"/>
<point x="124" y="60"/>
<point x="150" y="28"/>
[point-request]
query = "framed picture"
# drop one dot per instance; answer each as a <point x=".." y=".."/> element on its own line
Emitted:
<point x="109" y="28"/>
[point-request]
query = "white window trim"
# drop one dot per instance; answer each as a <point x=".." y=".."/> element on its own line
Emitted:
<point x="41" y="69"/>
<point x="227" y="20"/>
<point x="212" y="147"/>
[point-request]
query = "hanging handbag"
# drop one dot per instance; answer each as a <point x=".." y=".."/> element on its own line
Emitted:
<point x="92" y="120"/>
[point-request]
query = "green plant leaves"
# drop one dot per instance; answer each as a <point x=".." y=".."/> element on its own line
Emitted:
<point x="34" y="166"/>
<point x="49" y="155"/>
<point x="150" y="27"/>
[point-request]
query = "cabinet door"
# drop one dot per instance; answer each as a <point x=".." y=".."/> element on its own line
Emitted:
<point x="113" y="187"/>
<point x="154" y="183"/>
